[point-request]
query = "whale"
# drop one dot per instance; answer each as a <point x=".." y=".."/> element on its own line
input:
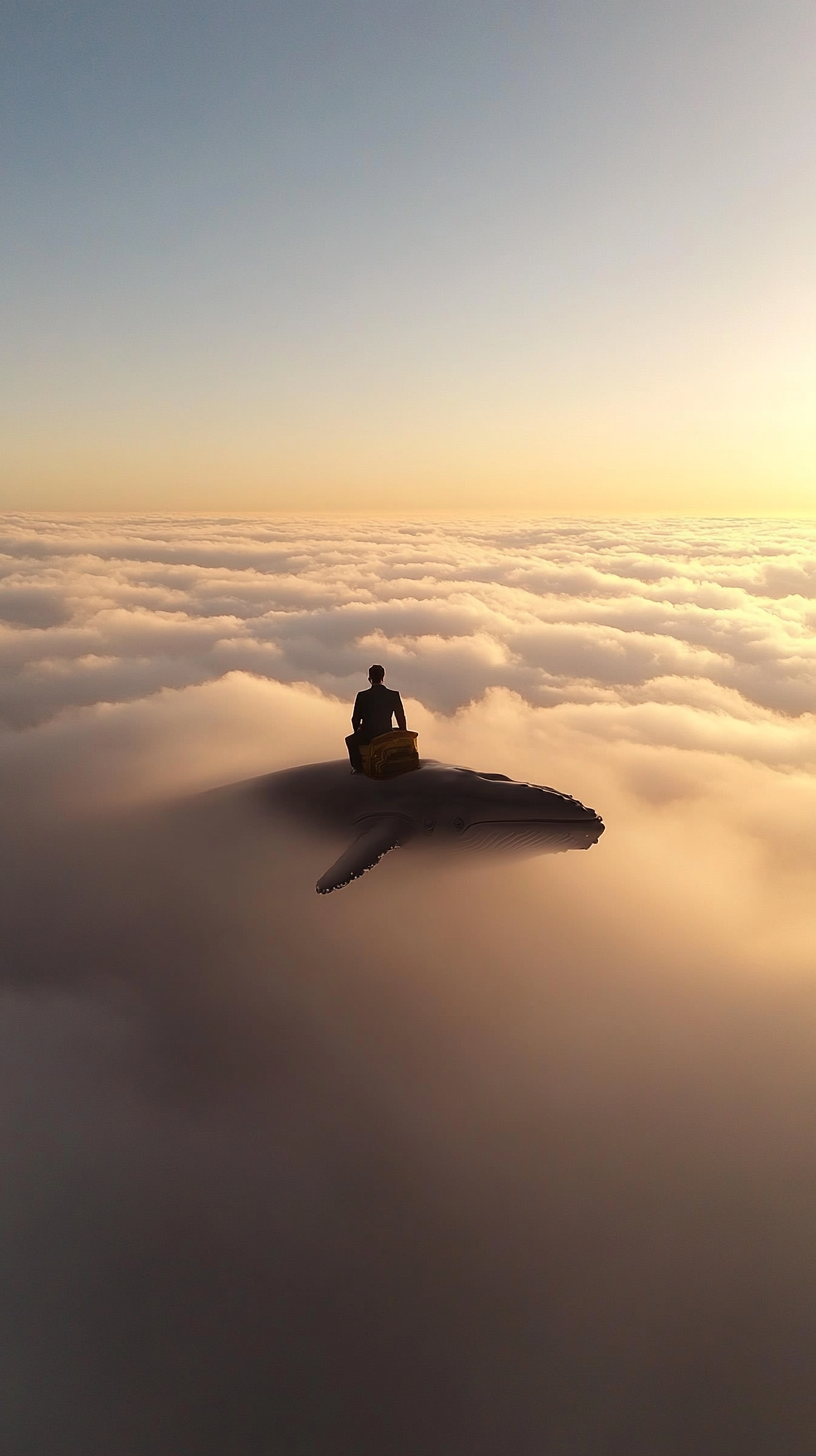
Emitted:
<point x="437" y="805"/>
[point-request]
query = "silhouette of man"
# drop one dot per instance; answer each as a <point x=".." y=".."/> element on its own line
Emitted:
<point x="373" y="710"/>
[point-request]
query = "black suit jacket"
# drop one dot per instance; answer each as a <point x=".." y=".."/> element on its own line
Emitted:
<point x="373" y="710"/>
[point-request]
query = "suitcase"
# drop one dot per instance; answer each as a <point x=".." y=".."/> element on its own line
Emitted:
<point x="390" y="754"/>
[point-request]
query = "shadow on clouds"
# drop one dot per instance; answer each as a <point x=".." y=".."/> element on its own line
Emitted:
<point x="438" y="1165"/>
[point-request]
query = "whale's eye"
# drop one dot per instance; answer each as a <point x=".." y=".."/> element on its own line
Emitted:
<point x="427" y="825"/>
<point x="458" y="823"/>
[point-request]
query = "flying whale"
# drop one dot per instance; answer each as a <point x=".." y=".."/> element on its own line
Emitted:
<point x="438" y="804"/>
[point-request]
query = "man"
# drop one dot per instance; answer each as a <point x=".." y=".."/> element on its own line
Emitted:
<point x="373" y="711"/>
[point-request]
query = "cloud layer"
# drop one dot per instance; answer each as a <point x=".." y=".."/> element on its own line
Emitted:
<point x="462" y="1162"/>
<point x="715" y="615"/>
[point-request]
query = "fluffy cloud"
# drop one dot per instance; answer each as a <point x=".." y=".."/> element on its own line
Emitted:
<point x="458" y="1160"/>
<point x="100" y="610"/>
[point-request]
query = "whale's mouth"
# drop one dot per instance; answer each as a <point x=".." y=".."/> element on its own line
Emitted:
<point x="530" y="836"/>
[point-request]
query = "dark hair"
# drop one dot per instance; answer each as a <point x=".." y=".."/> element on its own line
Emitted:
<point x="376" y="672"/>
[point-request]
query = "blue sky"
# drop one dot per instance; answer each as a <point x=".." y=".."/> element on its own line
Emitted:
<point x="264" y="255"/>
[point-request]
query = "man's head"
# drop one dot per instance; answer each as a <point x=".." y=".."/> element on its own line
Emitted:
<point x="376" y="674"/>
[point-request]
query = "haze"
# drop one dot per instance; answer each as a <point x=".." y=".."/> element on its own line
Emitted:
<point x="503" y="1159"/>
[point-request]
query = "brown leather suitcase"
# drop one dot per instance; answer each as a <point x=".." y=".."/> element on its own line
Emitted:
<point x="390" y="754"/>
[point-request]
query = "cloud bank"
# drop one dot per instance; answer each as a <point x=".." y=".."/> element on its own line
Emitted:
<point x="507" y="1159"/>
<point x="711" y="615"/>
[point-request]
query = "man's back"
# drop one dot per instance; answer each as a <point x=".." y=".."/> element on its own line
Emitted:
<point x="374" y="708"/>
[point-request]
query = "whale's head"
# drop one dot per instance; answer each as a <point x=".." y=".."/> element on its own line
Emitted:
<point x="490" y="813"/>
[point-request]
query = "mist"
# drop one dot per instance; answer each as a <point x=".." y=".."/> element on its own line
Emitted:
<point x="461" y="1159"/>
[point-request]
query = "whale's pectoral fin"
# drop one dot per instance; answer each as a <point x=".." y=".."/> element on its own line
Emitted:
<point x="376" y="837"/>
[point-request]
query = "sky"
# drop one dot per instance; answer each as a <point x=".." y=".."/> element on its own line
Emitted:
<point x="459" y="1160"/>
<point x="369" y="256"/>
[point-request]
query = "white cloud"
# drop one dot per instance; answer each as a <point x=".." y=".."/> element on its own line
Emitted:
<point x="555" y="612"/>
<point x="539" y="1129"/>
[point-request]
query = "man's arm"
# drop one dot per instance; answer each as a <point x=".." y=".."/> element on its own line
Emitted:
<point x="356" y="715"/>
<point x="399" y="713"/>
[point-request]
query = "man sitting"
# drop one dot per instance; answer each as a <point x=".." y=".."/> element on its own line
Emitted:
<point x="373" y="711"/>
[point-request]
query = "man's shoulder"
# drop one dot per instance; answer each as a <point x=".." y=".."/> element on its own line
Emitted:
<point x="377" y="690"/>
